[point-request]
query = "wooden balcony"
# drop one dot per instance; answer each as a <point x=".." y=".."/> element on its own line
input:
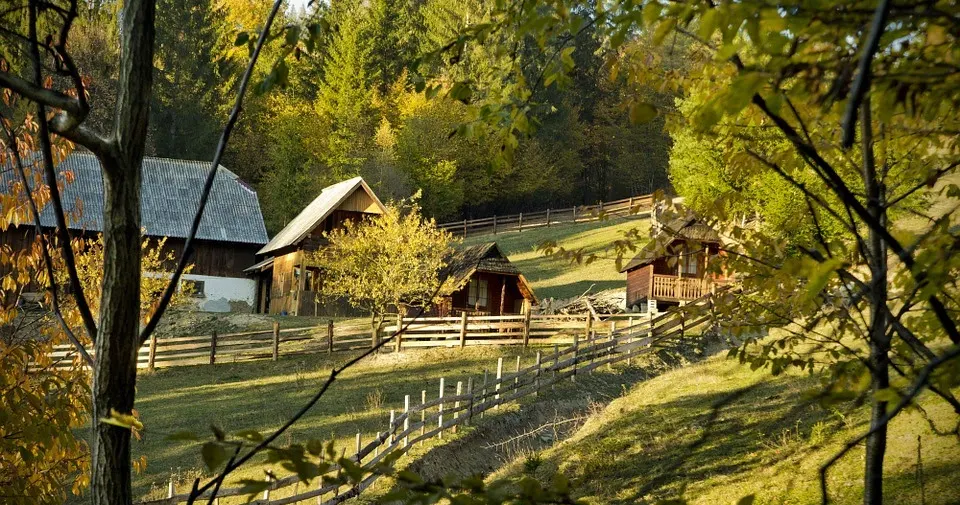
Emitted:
<point x="673" y="288"/>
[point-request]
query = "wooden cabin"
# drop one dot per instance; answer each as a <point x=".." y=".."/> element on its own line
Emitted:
<point x="286" y="282"/>
<point x="486" y="283"/>
<point x="231" y="230"/>
<point x="672" y="268"/>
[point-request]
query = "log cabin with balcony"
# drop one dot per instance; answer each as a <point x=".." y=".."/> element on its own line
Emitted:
<point x="486" y="282"/>
<point x="286" y="282"/>
<point x="672" y="268"/>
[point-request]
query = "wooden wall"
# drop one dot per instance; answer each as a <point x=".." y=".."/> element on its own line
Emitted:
<point x="639" y="283"/>
<point x="219" y="259"/>
<point x="495" y="287"/>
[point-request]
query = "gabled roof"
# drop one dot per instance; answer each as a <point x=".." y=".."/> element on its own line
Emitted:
<point x="170" y="194"/>
<point x="682" y="229"/>
<point x="322" y="206"/>
<point x="488" y="257"/>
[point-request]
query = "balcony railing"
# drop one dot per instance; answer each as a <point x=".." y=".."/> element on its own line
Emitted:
<point x="670" y="287"/>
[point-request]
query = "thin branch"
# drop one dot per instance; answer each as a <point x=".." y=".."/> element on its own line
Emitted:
<point x="211" y="175"/>
<point x="915" y="389"/>
<point x="862" y="82"/>
<point x="265" y="443"/>
<point x="51" y="177"/>
<point x="47" y="260"/>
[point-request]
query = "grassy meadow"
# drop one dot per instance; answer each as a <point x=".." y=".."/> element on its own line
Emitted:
<point x="557" y="278"/>
<point x="714" y="432"/>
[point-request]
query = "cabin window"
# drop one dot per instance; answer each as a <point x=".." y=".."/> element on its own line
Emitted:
<point x="690" y="261"/>
<point x="477" y="293"/>
<point x="195" y="288"/>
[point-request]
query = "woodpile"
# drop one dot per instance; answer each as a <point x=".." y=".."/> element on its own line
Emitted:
<point x="611" y="301"/>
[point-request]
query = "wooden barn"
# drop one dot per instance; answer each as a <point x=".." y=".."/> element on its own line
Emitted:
<point x="286" y="282"/>
<point x="229" y="236"/>
<point x="672" y="268"/>
<point x="487" y="283"/>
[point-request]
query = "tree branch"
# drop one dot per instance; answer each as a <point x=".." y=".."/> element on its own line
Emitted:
<point x="915" y="389"/>
<point x="862" y="82"/>
<point x="47" y="260"/>
<point x="211" y="175"/>
<point x="51" y="178"/>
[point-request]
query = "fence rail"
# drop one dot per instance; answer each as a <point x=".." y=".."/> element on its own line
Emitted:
<point x="527" y="220"/>
<point x="337" y="337"/>
<point x="588" y="350"/>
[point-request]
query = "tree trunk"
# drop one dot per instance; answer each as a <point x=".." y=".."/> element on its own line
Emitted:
<point x="115" y="372"/>
<point x="876" y="444"/>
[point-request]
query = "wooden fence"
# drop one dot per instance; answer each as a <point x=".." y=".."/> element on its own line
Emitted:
<point x="635" y="205"/>
<point x="475" y="396"/>
<point x="421" y="332"/>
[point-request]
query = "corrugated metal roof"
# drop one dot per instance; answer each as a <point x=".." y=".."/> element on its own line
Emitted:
<point x="326" y="202"/>
<point x="170" y="193"/>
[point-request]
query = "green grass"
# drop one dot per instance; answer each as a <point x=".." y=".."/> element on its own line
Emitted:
<point x="556" y="278"/>
<point x="714" y="432"/>
<point x="261" y="395"/>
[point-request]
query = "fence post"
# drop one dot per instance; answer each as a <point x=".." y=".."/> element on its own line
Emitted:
<point x="463" y="329"/>
<point x="537" y="390"/>
<point x="213" y="347"/>
<point x="548" y="218"/>
<point x="682" y="324"/>
<point x="520" y="222"/>
<point x="456" y="406"/>
<point x="170" y="488"/>
<point x="358" y="446"/>
<point x="526" y="325"/>
<point x="589" y="326"/>
<point x="440" y="412"/>
<point x="494" y="224"/>
<point x="574" y="214"/>
<point x="276" y="340"/>
<point x="576" y="355"/>
<point x="423" y="414"/>
<point x="499" y="375"/>
<point x="469" y="400"/>
<point x="406" y="420"/>
<point x="483" y="393"/>
<point x="556" y="360"/>
<point x="631" y="204"/>
<point x="464" y="228"/>
<point x="516" y="380"/>
<point x="391" y="428"/>
<point x="397" y="336"/>
<point x="152" y="357"/>
<point x="330" y="336"/>
<point x="600" y="207"/>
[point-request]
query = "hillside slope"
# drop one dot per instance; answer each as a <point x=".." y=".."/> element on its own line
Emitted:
<point x="557" y="278"/>
<point x="714" y="432"/>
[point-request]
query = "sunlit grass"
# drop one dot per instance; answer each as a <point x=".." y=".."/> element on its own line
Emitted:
<point x="552" y="277"/>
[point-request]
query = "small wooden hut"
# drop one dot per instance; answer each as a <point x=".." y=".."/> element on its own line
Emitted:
<point x="286" y="282"/>
<point x="487" y="283"/>
<point x="672" y="268"/>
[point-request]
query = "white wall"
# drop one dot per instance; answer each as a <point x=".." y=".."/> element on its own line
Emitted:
<point x="218" y="292"/>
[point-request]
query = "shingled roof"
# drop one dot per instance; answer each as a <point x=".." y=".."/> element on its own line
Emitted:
<point x="687" y="229"/>
<point x="170" y="193"/>
<point x="326" y="202"/>
<point x="487" y="257"/>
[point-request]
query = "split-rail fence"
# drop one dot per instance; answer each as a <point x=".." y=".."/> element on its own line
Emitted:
<point x="271" y="343"/>
<point x="635" y="205"/>
<point x="472" y="398"/>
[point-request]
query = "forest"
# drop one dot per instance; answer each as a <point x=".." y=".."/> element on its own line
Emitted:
<point x="350" y="108"/>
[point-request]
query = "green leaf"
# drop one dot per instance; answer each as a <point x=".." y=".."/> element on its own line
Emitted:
<point x="708" y="23"/>
<point x="242" y="39"/>
<point x="461" y="91"/>
<point x="651" y="13"/>
<point x="819" y="276"/>
<point x="315" y="446"/>
<point x="292" y="35"/>
<point x="252" y="487"/>
<point x="213" y="455"/>
<point x="663" y="30"/>
<point x="746" y="500"/>
<point x="642" y="112"/>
